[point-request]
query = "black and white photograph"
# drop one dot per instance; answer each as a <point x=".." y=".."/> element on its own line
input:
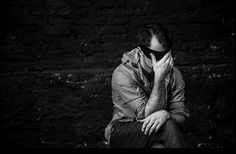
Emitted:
<point x="117" y="74"/>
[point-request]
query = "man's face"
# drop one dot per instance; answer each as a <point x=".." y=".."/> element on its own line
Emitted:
<point x="156" y="46"/>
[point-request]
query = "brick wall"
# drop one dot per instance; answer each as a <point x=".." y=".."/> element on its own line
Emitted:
<point x="101" y="30"/>
<point x="46" y="41"/>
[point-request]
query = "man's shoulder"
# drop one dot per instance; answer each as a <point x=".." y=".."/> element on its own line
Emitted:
<point x="122" y="74"/>
<point x="121" y="70"/>
<point x="177" y="77"/>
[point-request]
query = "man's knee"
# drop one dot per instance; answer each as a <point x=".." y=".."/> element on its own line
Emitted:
<point x="170" y="124"/>
<point x="172" y="135"/>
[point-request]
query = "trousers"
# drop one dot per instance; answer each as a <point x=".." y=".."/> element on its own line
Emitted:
<point x="129" y="135"/>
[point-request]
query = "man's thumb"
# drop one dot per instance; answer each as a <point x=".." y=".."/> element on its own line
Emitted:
<point x="141" y="120"/>
<point x="153" y="57"/>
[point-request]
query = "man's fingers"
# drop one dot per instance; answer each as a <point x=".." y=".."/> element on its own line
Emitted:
<point x="142" y="120"/>
<point x="165" y="57"/>
<point x="168" y="60"/>
<point x="171" y="62"/>
<point x="158" y="126"/>
<point x="153" y="127"/>
<point x="149" y="125"/>
<point x="145" y="123"/>
<point x="153" y="58"/>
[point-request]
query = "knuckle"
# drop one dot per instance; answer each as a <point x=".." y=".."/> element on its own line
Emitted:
<point x="148" y="128"/>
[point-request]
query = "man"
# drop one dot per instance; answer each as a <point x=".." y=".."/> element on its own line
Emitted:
<point x="148" y="95"/>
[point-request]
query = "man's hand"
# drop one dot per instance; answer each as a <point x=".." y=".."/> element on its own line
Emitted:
<point x="162" y="67"/>
<point x="154" y="121"/>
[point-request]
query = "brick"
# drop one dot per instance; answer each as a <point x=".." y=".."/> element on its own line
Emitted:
<point x="128" y="11"/>
<point x="110" y="46"/>
<point x="119" y="21"/>
<point x="81" y="29"/>
<point x="107" y="37"/>
<point x="194" y="3"/>
<point x="135" y="2"/>
<point x="57" y="21"/>
<point x="171" y="18"/>
<point x="121" y="38"/>
<point x="60" y="7"/>
<point x="31" y="38"/>
<point x="115" y="30"/>
<point x="132" y="35"/>
<point x="83" y="21"/>
<point x="99" y="20"/>
<point x="38" y="12"/>
<point x="63" y="11"/>
<point x="164" y="4"/>
<point x="32" y="20"/>
<point x="111" y="3"/>
<point x="25" y="2"/>
<point x="79" y="11"/>
<point x="142" y="20"/>
<point x="55" y="3"/>
<point x="80" y="3"/>
<point x="91" y="48"/>
<point x="97" y="12"/>
<point x="55" y="29"/>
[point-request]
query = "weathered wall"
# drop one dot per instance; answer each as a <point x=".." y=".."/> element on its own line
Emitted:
<point x="202" y="29"/>
<point x="49" y="96"/>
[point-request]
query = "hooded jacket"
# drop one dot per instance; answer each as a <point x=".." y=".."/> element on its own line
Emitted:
<point x="131" y="88"/>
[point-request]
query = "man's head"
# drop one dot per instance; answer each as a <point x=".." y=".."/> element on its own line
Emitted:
<point x="154" y="39"/>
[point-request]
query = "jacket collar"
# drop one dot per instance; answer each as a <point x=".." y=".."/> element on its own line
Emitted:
<point x="132" y="58"/>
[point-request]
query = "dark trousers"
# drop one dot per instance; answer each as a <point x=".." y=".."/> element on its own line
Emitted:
<point x="129" y="135"/>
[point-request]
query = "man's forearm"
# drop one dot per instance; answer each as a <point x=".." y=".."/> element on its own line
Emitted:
<point x="158" y="91"/>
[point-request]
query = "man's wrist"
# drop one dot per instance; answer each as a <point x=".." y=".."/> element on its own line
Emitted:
<point x="157" y="80"/>
<point x="159" y="84"/>
<point x="167" y="114"/>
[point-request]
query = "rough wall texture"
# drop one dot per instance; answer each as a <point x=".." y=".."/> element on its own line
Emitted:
<point x="201" y="29"/>
<point x="58" y="57"/>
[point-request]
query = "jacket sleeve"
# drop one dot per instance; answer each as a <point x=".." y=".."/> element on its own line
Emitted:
<point x="176" y="106"/>
<point x="127" y="95"/>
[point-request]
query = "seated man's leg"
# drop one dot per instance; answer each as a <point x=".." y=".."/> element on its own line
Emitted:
<point x="129" y="135"/>
<point x="170" y="135"/>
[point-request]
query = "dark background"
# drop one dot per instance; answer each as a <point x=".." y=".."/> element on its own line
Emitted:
<point x="57" y="58"/>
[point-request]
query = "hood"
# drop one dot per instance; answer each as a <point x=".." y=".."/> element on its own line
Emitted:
<point x="131" y="57"/>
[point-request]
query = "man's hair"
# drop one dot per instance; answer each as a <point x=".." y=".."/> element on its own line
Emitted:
<point x="145" y="34"/>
